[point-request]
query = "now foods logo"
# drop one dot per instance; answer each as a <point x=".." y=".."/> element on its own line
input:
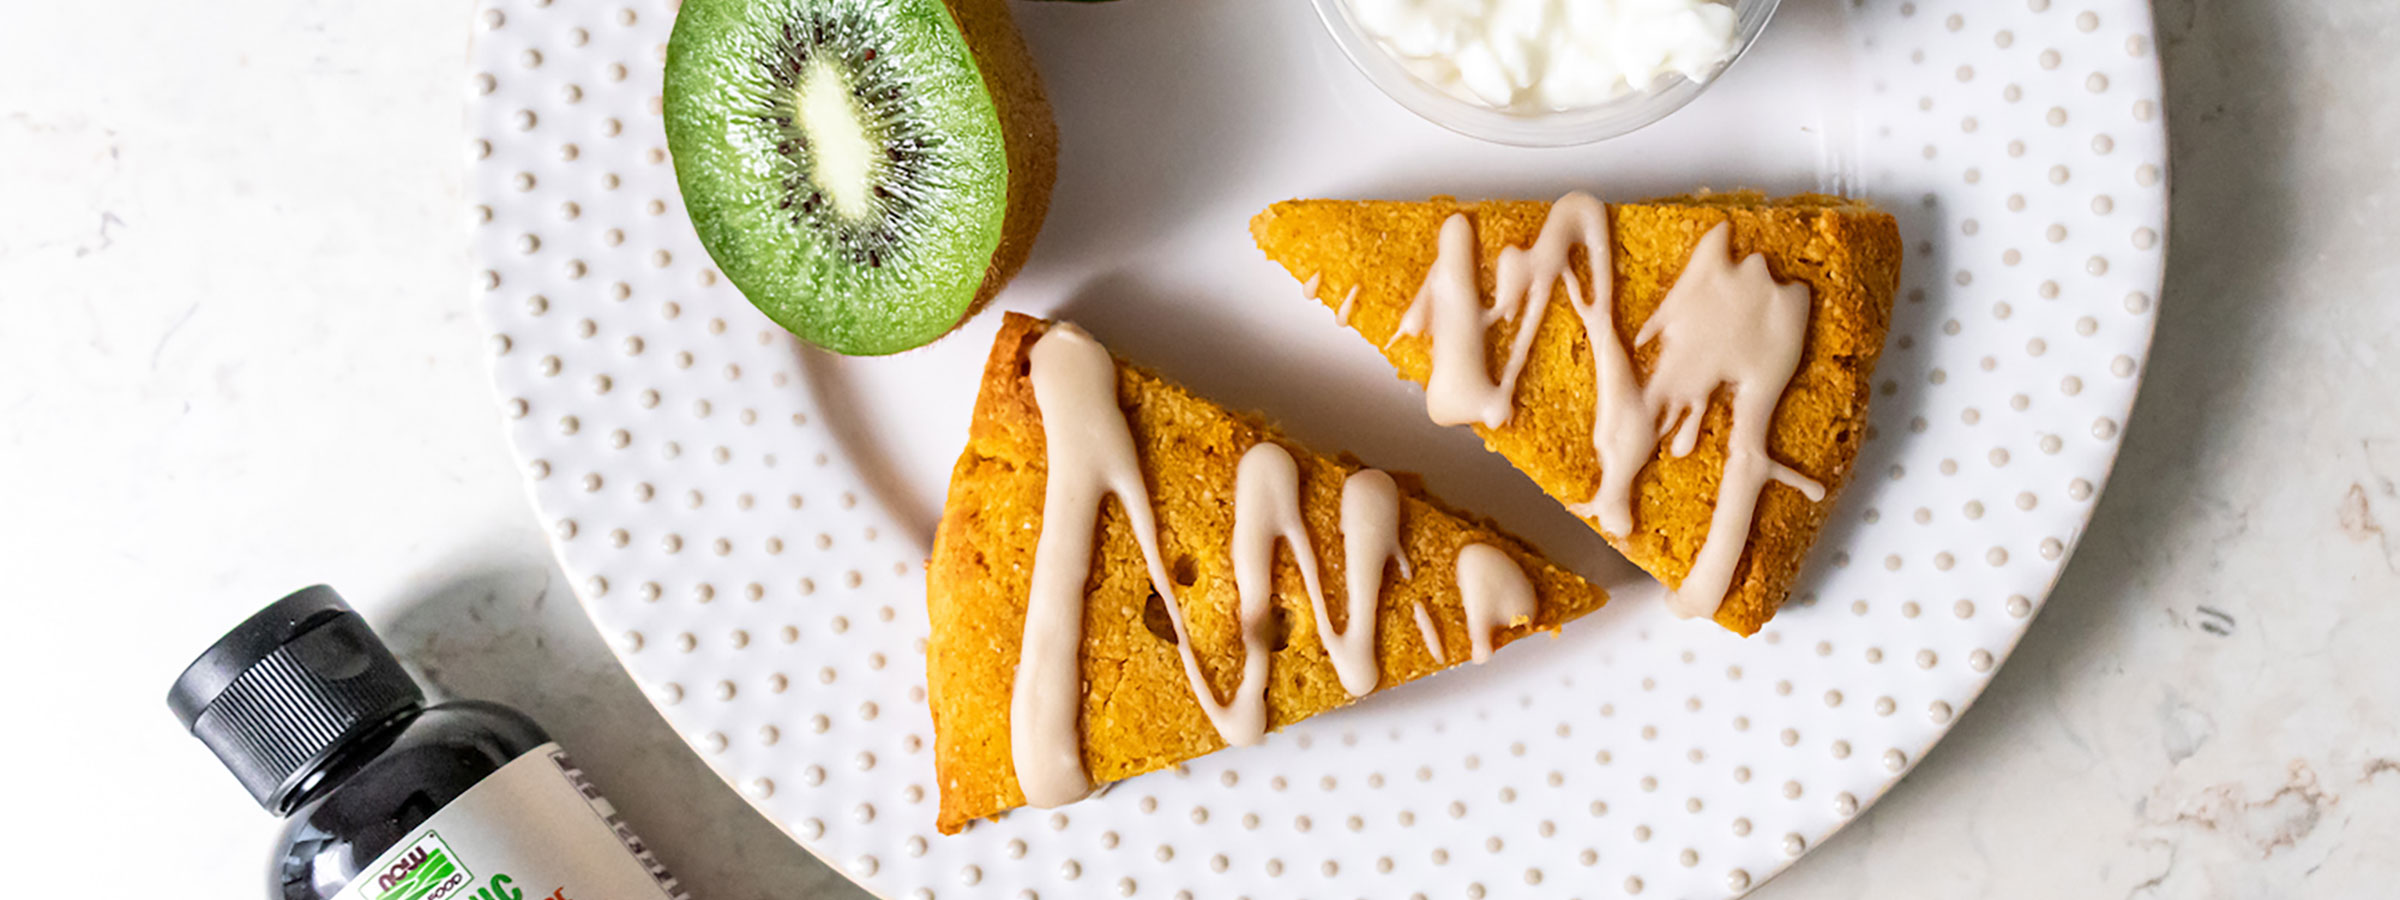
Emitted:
<point x="427" y="870"/>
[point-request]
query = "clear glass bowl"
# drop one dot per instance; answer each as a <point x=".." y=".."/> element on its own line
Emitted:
<point x="1551" y="129"/>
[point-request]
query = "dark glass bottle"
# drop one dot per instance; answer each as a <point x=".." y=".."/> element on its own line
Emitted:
<point x="367" y="801"/>
<point x="380" y="791"/>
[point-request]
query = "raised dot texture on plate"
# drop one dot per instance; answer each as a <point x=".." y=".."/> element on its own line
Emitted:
<point x="2064" y="223"/>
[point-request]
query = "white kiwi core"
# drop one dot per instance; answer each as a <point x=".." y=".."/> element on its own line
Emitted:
<point x="843" y="156"/>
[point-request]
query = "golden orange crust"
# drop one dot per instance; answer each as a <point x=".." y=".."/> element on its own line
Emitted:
<point x="1847" y="252"/>
<point x="1139" y="714"/>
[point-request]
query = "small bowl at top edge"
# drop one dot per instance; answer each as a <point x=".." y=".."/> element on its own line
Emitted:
<point x="1565" y="128"/>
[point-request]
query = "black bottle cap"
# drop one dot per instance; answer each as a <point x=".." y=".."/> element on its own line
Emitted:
<point x="282" y="692"/>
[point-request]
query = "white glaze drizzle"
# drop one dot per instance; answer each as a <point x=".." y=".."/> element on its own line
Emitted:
<point x="1432" y="635"/>
<point x="1266" y="508"/>
<point x="1495" y="592"/>
<point x="1623" y="428"/>
<point x="1090" y="456"/>
<point x="1309" y="288"/>
<point x="1450" y="307"/>
<point x="1370" y="542"/>
<point x="1349" y="305"/>
<point x="1721" y="323"/>
<point x="1727" y="324"/>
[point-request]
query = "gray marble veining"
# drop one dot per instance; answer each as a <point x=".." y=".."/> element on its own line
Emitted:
<point x="234" y="358"/>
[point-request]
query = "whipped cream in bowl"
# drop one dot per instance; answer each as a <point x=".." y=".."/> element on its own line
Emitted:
<point x="1544" y="72"/>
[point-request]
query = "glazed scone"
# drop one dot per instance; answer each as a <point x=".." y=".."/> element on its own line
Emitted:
<point x="1367" y="260"/>
<point x="1138" y="712"/>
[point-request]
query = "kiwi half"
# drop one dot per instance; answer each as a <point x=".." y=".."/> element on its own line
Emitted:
<point x="868" y="172"/>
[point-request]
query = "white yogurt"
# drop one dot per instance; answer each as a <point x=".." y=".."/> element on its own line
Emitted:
<point x="1533" y="56"/>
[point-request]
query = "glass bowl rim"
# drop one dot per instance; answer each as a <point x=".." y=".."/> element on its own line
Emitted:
<point x="1565" y="128"/>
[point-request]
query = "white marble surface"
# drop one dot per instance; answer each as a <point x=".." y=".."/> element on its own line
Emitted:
<point x="235" y="357"/>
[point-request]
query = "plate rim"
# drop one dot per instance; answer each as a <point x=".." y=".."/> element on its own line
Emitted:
<point x="2151" y="66"/>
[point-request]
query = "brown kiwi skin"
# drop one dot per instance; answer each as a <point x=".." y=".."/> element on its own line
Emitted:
<point x="1032" y="135"/>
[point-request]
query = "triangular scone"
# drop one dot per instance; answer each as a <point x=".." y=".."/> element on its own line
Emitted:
<point x="1367" y="260"/>
<point x="1138" y="710"/>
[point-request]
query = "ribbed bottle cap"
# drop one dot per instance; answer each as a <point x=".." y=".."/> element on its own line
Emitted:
<point x="280" y="693"/>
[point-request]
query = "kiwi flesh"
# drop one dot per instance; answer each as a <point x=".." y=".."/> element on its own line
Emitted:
<point x="867" y="172"/>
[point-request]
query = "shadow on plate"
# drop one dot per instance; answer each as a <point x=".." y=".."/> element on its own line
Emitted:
<point x="1361" y="410"/>
<point x="2231" y="134"/>
<point x="514" y="635"/>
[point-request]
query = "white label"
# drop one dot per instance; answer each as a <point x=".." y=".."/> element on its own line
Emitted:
<point x="534" y="830"/>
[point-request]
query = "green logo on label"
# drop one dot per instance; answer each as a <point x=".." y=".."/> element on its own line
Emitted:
<point x="427" y="870"/>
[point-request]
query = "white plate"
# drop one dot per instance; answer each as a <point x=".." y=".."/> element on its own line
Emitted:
<point x="749" y="519"/>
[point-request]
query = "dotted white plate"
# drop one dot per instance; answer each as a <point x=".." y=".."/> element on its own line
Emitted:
<point x="749" y="518"/>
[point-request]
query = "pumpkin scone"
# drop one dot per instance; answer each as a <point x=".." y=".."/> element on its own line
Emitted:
<point x="1700" y="407"/>
<point x="1127" y="576"/>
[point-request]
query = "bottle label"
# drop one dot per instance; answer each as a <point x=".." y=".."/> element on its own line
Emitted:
<point x="534" y="830"/>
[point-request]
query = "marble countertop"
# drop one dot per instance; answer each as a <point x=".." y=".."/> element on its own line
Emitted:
<point x="235" y="358"/>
